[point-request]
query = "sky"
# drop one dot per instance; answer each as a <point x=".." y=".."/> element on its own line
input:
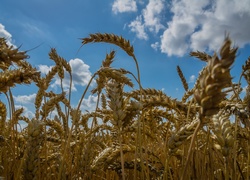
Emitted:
<point x="162" y="32"/>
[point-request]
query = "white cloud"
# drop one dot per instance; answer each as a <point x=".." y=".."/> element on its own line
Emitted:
<point x="151" y="15"/>
<point x="5" y="34"/>
<point x="244" y="89"/>
<point x="139" y="28"/>
<point x="121" y="6"/>
<point x="155" y="46"/>
<point x="201" y="25"/>
<point x="44" y="69"/>
<point x="89" y="104"/>
<point x="25" y="99"/>
<point x="141" y="2"/>
<point x="80" y="73"/>
<point x="192" y="79"/>
<point x="149" y="20"/>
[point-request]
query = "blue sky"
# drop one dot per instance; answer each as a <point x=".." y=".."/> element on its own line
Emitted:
<point x="163" y="32"/>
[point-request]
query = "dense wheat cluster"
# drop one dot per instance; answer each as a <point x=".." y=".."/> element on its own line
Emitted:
<point x="133" y="133"/>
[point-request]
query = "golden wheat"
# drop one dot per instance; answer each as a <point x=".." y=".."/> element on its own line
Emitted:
<point x="134" y="133"/>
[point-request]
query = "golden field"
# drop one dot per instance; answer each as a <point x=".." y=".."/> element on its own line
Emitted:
<point x="135" y="134"/>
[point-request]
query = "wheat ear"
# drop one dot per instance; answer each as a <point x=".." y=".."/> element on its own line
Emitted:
<point x="3" y="113"/>
<point x="201" y="55"/>
<point x="31" y="164"/>
<point x="215" y="78"/>
<point x="183" y="79"/>
<point x="110" y="38"/>
<point x="209" y="94"/>
<point x="9" y="54"/>
<point x="116" y="103"/>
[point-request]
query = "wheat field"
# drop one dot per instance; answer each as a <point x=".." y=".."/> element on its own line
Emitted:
<point x="132" y="134"/>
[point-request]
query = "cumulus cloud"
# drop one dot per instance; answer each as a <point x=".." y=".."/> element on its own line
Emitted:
<point x="151" y="15"/>
<point x="193" y="25"/>
<point x="149" y="20"/>
<point x="25" y="99"/>
<point x="5" y="34"/>
<point x="80" y="74"/>
<point x="201" y="25"/>
<point x="121" y="6"/>
<point x="139" y="28"/>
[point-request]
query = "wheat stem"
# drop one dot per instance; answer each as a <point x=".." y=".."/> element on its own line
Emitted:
<point x="190" y="150"/>
<point x="85" y="91"/>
